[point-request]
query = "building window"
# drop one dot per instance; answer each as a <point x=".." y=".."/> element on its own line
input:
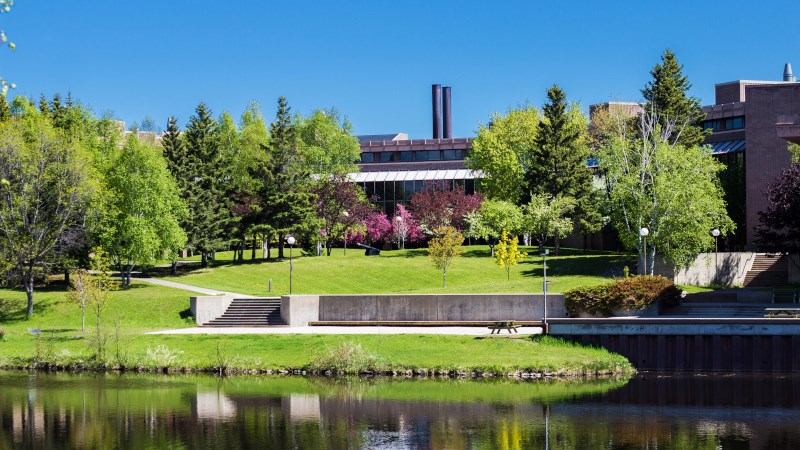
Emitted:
<point x="406" y="156"/>
<point x="731" y="123"/>
<point x="450" y="155"/>
<point x="387" y="156"/>
<point x="367" y="157"/>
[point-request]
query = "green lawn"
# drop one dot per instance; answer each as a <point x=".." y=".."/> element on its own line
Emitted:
<point x="145" y="308"/>
<point x="404" y="271"/>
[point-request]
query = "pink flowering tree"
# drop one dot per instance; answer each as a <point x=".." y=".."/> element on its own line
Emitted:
<point x="377" y="227"/>
<point x="405" y="227"/>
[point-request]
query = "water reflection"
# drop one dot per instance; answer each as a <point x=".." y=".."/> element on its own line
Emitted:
<point x="40" y="410"/>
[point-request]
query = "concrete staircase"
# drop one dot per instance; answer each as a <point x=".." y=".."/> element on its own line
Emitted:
<point x="768" y="271"/>
<point x="250" y="312"/>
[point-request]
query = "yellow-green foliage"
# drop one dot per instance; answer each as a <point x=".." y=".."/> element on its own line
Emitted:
<point x="507" y="253"/>
<point x="445" y="248"/>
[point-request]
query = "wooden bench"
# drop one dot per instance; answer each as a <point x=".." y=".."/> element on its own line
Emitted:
<point x="504" y="325"/>
<point x="782" y="312"/>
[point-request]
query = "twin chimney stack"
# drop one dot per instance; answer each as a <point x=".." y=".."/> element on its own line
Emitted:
<point x="442" y="118"/>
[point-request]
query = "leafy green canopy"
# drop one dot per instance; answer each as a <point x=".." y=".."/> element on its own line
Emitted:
<point x="670" y="189"/>
<point x="503" y="151"/>
<point x="143" y="208"/>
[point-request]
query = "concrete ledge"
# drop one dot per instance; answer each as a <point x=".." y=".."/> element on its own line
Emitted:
<point x="208" y="307"/>
<point x="299" y="310"/>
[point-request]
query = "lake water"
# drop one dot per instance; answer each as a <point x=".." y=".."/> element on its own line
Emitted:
<point x="649" y="411"/>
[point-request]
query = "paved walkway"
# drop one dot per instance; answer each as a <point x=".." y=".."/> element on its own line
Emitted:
<point x="187" y="287"/>
<point x="464" y="331"/>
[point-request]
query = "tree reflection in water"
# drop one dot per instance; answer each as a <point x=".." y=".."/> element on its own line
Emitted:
<point x="40" y="410"/>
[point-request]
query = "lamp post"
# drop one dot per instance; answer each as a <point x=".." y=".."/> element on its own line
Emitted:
<point x="290" y="240"/>
<point x="643" y="232"/>
<point x="400" y="231"/>
<point x="715" y="232"/>
<point x="544" y="252"/>
<point x="346" y="216"/>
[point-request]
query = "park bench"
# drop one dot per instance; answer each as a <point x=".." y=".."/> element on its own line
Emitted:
<point x="784" y="295"/>
<point x="504" y="325"/>
<point x="782" y="312"/>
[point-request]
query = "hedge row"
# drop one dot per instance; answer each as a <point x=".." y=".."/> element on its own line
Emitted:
<point x="629" y="294"/>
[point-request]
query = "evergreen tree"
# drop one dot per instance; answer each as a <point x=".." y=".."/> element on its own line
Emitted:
<point x="558" y="167"/>
<point x="56" y="108"/>
<point x="288" y="201"/>
<point x="5" y="109"/>
<point x="666" y="96"/>
<point x="44" y="108"/>
<point x="210" y="213"/>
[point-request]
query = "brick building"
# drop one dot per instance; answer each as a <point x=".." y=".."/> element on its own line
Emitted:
<point x="752" y="122"/>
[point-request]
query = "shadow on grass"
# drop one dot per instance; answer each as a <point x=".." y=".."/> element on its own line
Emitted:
<point x="191" y="267"/>
<point x="16" y="310"/>
<point x="186" y="313"/>
<point x="602" y="265"/>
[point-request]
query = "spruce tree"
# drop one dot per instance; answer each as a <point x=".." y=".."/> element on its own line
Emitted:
<point x="667" y="96"/>
<point x="56" y="108"/>
<point x="288" y="201"/>
<point x="558" y="167"/>
<point x="210" y="213"/>
<point x="44" y="108"/>
<point x="5" y="109"/>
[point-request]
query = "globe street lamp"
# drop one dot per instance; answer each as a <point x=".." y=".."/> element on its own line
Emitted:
<point x="290" y="240"/>
<point x="715" y="232"/>
<point x="346" y="215"/>
<point x="401" y="231"/>
<point x="643" y="232"/>
<point x="544" y="252"/>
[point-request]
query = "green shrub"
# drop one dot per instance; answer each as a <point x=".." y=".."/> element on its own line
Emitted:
<point x="629" y="294"/>
<point x="345" y="358"/>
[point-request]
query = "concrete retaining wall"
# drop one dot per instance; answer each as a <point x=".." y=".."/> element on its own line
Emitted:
<point x="721" y="269"/>
<point x="298" y="310"/>
<point x="441" y="307"/>
<point x="209" y="307"/>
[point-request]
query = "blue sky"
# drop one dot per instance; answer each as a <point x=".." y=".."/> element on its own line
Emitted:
<point x="375" y="60"/>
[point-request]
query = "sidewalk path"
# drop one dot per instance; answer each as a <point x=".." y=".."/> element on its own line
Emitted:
<point x="463" y="331"/>
<point x="187" y="287"/>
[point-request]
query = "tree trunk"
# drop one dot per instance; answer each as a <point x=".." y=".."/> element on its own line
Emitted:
<point x="556" y="245"/>
<point x="265" y="247"/>
<point x="66" y="276"/>
<point x="253" y="249"/>
<point x="280" y="246"/>
<point x="491" y="250"/>
<point x="29" y="289"/>
<point x="328" y="247"/>
<point x="174" y="267"/>
<point x="204" y="259"/>
<point x="444" y="278"/>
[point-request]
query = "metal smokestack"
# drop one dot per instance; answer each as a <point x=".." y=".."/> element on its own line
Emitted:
<point x="448" y="119"/>
<point x="436" y="94"/>
<point x="787" y="73"/>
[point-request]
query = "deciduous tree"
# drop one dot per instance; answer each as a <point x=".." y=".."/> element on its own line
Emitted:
<point x="508" y="254"/>
<point x="48" y="184"/>
<point x="436" y="205"/>
<point x="445" y="248"/>
<point x="779" y="224"/>
<point x="492" y="219"/>
<point x="143" y="209"/>
<point x="405" y="227"/>
<point x="546" y="217"/>
<point x="341" y="205"/>
<point x="671" y="190"/>
<point x="327" y="143"/>
<point x="503" y="151"/>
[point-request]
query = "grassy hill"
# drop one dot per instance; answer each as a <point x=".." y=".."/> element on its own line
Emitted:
<point x="403" y="271"/>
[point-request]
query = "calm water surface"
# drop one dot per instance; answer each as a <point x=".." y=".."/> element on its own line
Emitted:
<point x="39" y="410"/>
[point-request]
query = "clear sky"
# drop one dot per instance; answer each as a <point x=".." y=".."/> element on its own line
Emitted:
<point x="375" y="60"/>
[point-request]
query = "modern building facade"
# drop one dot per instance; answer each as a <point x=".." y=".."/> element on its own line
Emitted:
<point x="752" y="124"/>
<point x="394" y="167"/>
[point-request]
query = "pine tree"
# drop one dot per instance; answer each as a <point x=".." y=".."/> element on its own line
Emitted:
<point x="559" y="158"/>
<point x="667" y="96"/>
<point x="210" y="213"/>
<point x="44" y="108"/>
<point x="288" y="201"/>
<point x="56" y="108"/>
<point x="5" y="109"/>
